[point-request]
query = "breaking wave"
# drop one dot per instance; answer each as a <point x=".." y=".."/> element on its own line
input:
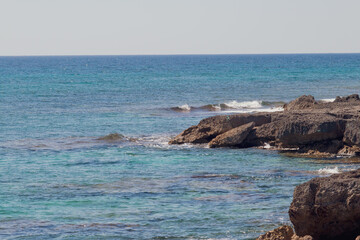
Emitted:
<point x="327" y="100"/>
<point x="329" y="170"/>
<point x="234" y="106"/>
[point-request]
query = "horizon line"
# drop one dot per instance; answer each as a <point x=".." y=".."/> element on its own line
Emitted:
<point x="176" y="54"/>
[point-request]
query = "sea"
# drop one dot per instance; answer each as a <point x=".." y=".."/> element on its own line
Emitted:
<point x="58" y="180"/>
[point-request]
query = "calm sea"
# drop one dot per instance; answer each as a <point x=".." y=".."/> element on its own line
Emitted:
<point x="57" y="181"/>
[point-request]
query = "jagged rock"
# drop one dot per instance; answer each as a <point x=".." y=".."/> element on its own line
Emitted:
<point x="328" y="208"/>
<point x="233" y="137"/>
<point x="298" y="130"/>
<point x="303" y="102"/>
<point x="281" y="233"/>
<point x="332" y="146"/>
<point x="349" y="151"/>
<point x="307" y="237"/>
<point x="352" y="133"/>
<point x="209" y="128"/>
<point x="307" y="126"/>
<point x="350" y="98"/>
<point x="113" y="137"/>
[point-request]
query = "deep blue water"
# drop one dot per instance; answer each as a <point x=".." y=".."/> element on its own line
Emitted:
<point x="58" y="182"/>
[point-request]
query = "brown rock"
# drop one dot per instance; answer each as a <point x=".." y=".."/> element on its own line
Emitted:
<point x="349" y="151"/>
<point x="234" y="137"/>
<point x="328" y="207"/>
<point x="302" y="102"/>
<point x="280" y="233"/>
<point x="307" y="237"/>
<point x="303" y="129"/>
<point x="113" y="137"/>
<point x="352" y="133"/>
<point x="211" y="127"/>
<point x="350" y="98"/>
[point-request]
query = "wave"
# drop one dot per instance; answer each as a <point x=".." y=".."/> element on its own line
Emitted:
<point x="327" y="100"/>
<point x="328" y="170"/>
<point x="234" y="106"/>
<point x="91" y="142"/>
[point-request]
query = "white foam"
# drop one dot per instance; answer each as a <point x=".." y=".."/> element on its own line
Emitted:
<point x="185" y="107"/>
<point x="327" y="100"/>
<point x="246" y="104"/>
<point x="267" y="146"/>
<point x="273" y="109"/>
<point x="329" y="170"/>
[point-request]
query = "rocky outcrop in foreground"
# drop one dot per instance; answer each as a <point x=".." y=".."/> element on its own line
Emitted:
<point x="326" y="208"/>
<point x="306" y="126"/>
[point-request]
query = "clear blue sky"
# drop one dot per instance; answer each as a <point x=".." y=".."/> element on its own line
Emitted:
<point x="82" y="27"/>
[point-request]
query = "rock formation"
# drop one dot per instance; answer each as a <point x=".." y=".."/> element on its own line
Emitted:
<point x="280" y="233"/>
<point x="328" y="207"/>
<point x="307" y="126"/>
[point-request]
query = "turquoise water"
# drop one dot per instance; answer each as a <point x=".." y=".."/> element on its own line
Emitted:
<point x="57" y="181"/>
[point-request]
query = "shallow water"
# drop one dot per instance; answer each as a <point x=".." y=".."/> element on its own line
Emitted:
<point x="57" y="180"/>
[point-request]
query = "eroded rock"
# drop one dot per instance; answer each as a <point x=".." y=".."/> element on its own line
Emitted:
<point x="233" y="137"/>
<point x="303" y="102"/>
<point x="211" y="127"/>
<point x="113" y="137"/>
<point x="328" y="207"/>
<point x="280" y="233"/>
<point x="309" y="127"/>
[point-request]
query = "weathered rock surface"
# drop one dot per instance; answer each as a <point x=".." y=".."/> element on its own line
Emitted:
<point x="296" y="237"/>
<point x="112" y="137"/>
<point x="211" y="127"/>
<point x="352" y="133"/>
<point x="350" y="98"/>
<point x="280" y="233"/>
<point x="295" y="130"/>
<point x="302" y="102"/>
<point x="328" y="207"/>
<point x="305" y="124"/>
<point x="233" y="137"/>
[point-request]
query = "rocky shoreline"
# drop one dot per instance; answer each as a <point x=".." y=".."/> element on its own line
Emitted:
<point x="325" y="208"/>
<point x="306" y="127"/>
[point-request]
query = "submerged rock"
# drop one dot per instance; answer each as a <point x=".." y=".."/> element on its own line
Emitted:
<point x="113" y="137"/>
<point x="328" y="207"/>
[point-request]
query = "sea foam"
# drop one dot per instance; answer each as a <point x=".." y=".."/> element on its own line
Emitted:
<point x="328" y="170"/>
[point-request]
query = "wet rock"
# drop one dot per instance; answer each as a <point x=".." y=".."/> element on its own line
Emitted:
<point x="211" y="127"/>
<point x="303" y="102"/>
<point x="281" y="233"/>
<point x="113" y="137"/>
<point x="328" y="207"/>
<point x="233" y="137"/>
<point x="331" y="147"/>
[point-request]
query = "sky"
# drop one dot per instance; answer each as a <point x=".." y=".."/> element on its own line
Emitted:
<point x="137" y="27"/>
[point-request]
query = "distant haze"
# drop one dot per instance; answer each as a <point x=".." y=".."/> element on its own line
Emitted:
<point x="121" y="27"/>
